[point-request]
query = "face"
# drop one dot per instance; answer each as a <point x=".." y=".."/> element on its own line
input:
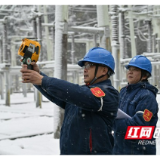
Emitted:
<point x="134" y="75"/>
<point x="89" y="71"/>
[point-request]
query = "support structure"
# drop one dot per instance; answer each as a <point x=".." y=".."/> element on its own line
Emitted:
<point x="7" y="85"/>
<point x="149" y="42"/>
<point x="115" y="45"/>
<point x="49" y="49"/>
<point x="132" y="34"/>
<point x="5" y="60"/>
<point x="1" y="49"/>
<point x="1" y="86"/>
<point x="72" y="47"/>
<point x="61" y="29"/>
<point x="122" y="34"/>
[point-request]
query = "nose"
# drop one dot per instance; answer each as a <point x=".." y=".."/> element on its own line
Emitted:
<point x="85" y="70"/>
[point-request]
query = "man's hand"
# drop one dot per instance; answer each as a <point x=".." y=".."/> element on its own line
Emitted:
<point x="30" y="76"/>
<point x="35" y="66"/>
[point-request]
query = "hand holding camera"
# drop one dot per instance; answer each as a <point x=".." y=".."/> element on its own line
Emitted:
<point x="30" y="51"/>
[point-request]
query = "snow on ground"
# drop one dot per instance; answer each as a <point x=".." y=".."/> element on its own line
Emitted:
<point x="38" y="145"/>
<point x="22" y="118"/>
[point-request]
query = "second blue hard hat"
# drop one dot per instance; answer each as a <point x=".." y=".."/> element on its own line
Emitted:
<point x="141" y="62"/>
<point x="100" y="56"/>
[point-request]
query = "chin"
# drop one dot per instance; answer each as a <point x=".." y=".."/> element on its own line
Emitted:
<point x="85" y="81"/>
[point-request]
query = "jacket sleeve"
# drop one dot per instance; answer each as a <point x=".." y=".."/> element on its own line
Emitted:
<point x="80" y="96"/>
<point x="147" y="101"/>
<point x="53" y="99"/>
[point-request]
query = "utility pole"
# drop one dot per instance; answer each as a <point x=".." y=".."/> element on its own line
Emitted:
<point x="95" y="40"/>
<point x="122" y="42"/>
<point x="71" y="34"/>
<point x="47" y="34"/>
<point x="1" y="50"/>
<point x="121" y="34"/>
<point x="34" y="27"/>
<point x="1" y="85"/>
<point x="5" y="60"/>
<point x="39" y="36"/>
<point x="149" y="42"/>
<point x="1" y="73"/>
<point x="39" y="16"/>
<point x="103" y="21"/>
<point x="132" y="35"/>
<point x="5" y="40"/>
<point x="154" y="43"/>
<point x="60" y="71"/>
<point x="13" y="52"/>
<point x="115" y="44"/>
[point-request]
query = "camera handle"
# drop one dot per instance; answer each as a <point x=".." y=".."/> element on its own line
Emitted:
<point x="27" y="61"/>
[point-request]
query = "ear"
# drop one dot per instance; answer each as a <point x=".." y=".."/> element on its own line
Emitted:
<point x="143" y="78"/>
<point x="105" y="70"/>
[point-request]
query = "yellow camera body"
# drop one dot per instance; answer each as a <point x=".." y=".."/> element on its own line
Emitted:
<point x="30" y="51"/>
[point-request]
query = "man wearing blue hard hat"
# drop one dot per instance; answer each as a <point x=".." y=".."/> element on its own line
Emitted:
<point x="90" y="109"/>
<point x="138" y="100"/>
<point x="98" y="57"/>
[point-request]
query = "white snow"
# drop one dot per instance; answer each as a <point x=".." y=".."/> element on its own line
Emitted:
<point x="22" y="118"/>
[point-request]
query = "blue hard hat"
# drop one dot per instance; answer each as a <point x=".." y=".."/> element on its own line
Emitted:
<point x="100" y="56"/>
<point x="141" y="62"/>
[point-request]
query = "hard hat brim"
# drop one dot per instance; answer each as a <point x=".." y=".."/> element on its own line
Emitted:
<point x="127" y="66"/>
<point x="81" y="64"/>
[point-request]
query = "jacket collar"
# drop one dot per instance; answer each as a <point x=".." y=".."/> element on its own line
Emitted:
<point x="142" y="84"/>
<point x="136" y="85"/>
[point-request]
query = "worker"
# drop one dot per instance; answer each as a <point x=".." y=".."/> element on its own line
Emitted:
<point x="90" y="109"/>
<point x="138" y="101"/>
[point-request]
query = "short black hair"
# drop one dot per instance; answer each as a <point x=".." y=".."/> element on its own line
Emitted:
<point x="110" y="72"/>
<point x="145" y="73"/>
